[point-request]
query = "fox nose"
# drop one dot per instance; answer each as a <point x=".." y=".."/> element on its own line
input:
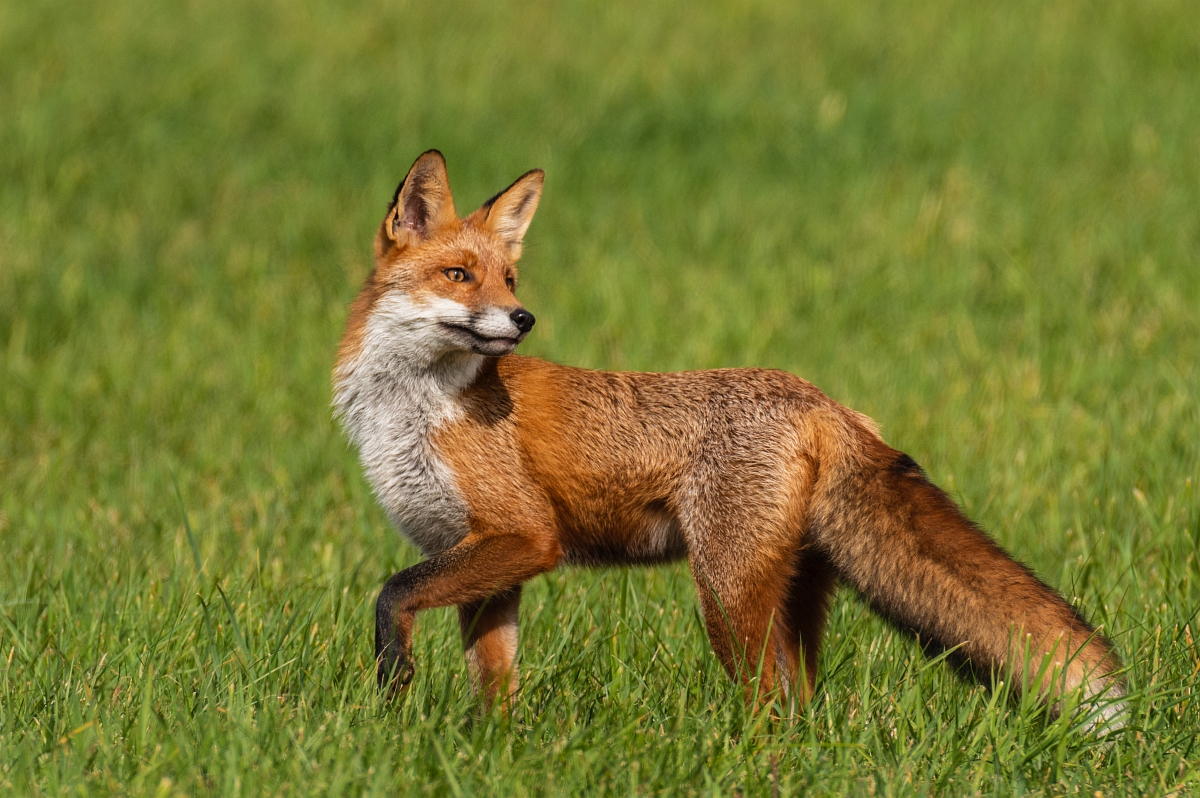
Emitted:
<point x="523" y="319"/>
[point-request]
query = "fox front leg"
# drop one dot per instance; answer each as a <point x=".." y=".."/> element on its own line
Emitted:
<point x="489" y="633"/>
<point x="481" y="566"/>
<point x="393" y="631"/>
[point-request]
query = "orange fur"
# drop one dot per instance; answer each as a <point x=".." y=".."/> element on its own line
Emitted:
<point x="503" y="467"/>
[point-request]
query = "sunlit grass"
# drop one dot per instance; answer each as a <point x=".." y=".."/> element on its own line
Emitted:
<point x="976" y="223"/>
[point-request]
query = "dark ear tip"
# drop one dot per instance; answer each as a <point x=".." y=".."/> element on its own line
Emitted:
<point x="432" y="155"/>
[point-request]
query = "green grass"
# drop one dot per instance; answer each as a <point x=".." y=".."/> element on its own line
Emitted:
<point x="976" y="222"/>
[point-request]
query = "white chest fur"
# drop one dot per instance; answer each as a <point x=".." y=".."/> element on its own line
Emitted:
<point x="391" y="398"/>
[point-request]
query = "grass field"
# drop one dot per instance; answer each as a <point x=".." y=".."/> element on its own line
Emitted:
<point x="978" y="223"/>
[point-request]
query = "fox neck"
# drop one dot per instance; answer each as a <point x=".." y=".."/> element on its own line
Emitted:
<point x="391" y="396"/>
<point x="401" y="356"/>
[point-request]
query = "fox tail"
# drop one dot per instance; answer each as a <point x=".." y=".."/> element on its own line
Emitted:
<point x="921" y="563"/>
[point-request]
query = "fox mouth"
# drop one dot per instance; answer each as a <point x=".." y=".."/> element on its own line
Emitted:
<point x="484" y="344"/>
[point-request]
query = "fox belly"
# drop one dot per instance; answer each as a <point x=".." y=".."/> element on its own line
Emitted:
<point x="646" y="536"/>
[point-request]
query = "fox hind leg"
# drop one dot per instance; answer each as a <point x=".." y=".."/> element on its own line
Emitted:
<point x="745" y="614"/>
<point x="807" y="607"/>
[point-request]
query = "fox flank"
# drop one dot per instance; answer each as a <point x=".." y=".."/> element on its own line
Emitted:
<point x="502" y="467"/>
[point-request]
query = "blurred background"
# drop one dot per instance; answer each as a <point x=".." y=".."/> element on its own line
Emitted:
<point x="977" y="223"/>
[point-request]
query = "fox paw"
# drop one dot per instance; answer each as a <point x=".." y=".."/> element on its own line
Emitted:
<point x="395" y="678"/>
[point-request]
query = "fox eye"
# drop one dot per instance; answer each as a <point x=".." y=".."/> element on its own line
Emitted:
<point x="511" y="283"/>
<point x="455" y="275"/>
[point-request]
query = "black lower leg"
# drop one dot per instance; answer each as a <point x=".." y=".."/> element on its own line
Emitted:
<point x="394" y="669"/>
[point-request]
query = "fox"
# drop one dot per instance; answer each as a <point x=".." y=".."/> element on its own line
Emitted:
<point x="501" y="467"/>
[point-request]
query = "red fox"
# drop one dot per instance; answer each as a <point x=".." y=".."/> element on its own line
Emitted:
<point x="502" y="467"/>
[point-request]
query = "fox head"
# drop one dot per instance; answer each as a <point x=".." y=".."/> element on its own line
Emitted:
<point x="444" y="285"/>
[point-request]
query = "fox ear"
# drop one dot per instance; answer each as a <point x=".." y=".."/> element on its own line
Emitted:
<point x="422" y="203"/>
<point x="509" y="213"/>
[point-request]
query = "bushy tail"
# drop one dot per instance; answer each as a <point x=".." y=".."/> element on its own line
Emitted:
<point x="908" y="548"/>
